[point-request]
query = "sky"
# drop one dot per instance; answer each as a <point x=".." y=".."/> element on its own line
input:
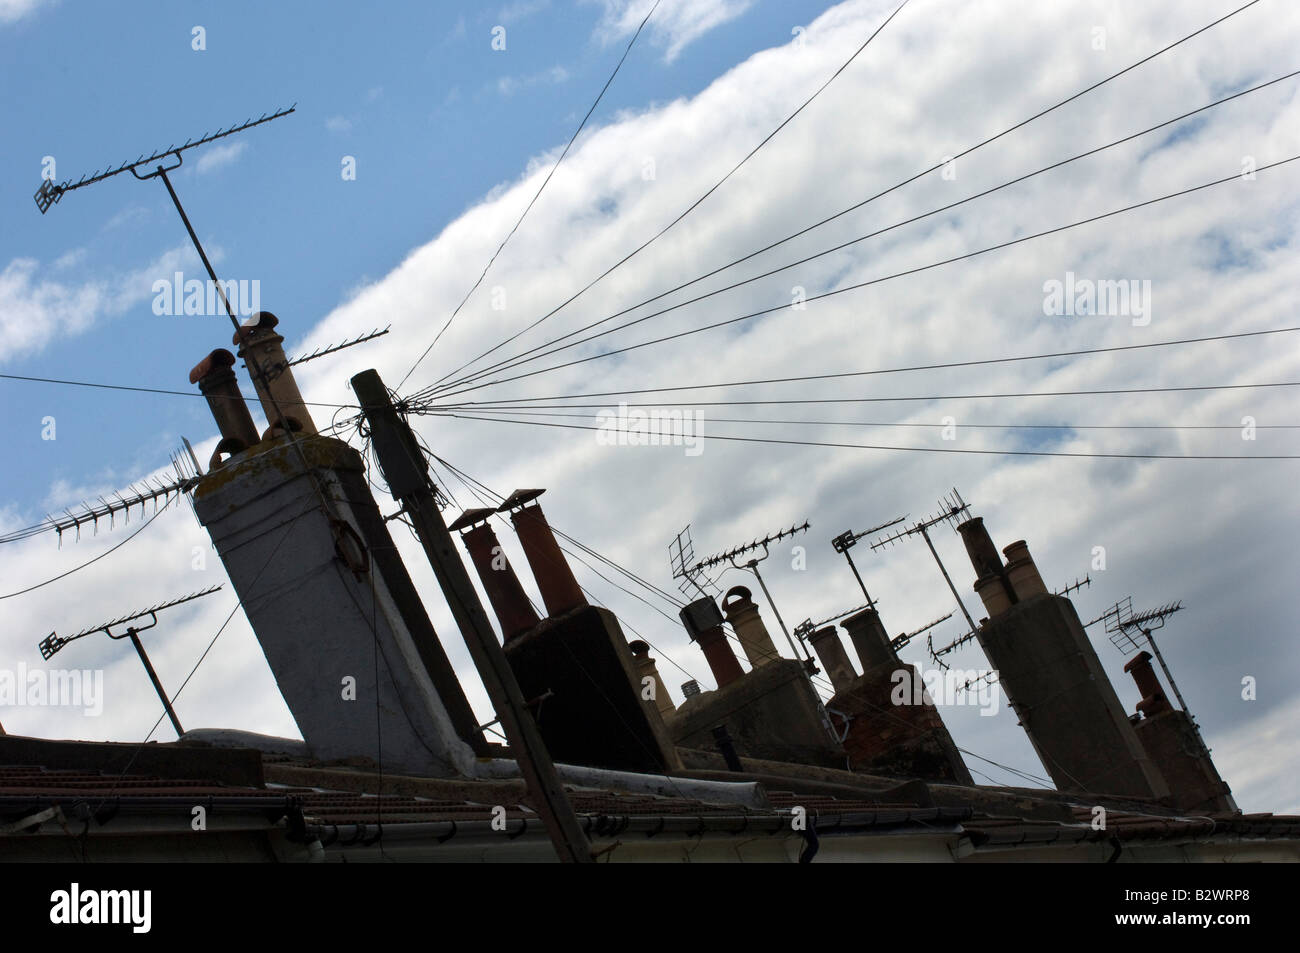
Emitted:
<point x="415" y="147"/>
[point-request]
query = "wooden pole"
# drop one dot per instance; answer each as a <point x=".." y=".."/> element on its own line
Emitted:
<point x="407" y="472"/>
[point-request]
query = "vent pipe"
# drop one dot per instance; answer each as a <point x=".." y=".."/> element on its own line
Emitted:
<point x="646" y="668"/>
<point x="218" y="384"/>
<point x="743" y="615"/>
<point x="560" y="590"/>
<point x="258" y="339"/>
<point x="513" y="610"/>
<point x="830" y="650"/>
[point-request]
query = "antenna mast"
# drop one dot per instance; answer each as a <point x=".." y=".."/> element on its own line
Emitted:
<point x="848" y="539"/>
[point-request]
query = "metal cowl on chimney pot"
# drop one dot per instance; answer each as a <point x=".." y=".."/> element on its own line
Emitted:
<point x="262" y="349"/>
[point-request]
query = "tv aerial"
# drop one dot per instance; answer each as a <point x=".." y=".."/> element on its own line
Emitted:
<point x="952" y="507"/>
<point x="764" y="544"/>
<point x="681" y="555"/>
<point x="53" y="643"/>
<point x="848" y="539"/>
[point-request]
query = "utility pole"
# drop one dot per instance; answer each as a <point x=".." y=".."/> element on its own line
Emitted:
<point x="407" y="472"/>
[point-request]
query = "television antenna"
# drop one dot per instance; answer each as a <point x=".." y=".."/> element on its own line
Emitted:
<point x="936" y="655"/>
<point x="681" y="555"/>
<point x="1126" y="628"/>
<point x="848" y="539"/>
<point x="1075" y="586"/>
<point x="53" y="642"/>
<point x="953" y="506"/>
<point x="764" y="544"/>
<point x="333" y="348"/>
<point x="807" y="627"/>
<point x="898" y="641"/>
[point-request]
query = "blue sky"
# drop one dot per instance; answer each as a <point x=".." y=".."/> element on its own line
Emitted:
<point x="451" y="139"/>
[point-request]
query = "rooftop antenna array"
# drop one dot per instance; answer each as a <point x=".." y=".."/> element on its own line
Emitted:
<point x="681" y="554"/>
<point x="936" y="655"/>
<point x="52" y="643"/>
<point x="848" y="539"/>
<point x="953" y="506"/>
<point x="1075" y="586"/>
<point x="764" y="544"/>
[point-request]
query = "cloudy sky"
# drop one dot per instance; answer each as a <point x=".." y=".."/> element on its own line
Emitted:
<point x="450" y="138"/>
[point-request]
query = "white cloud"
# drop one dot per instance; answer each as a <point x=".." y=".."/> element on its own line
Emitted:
<point x="217" y="157"/>
<point x="36" y="309"/>
<point x="509" y="85"/>
<point x="11" y="11"/>
<point x="520" y="9"/>
<point x="338" y="124"/>
<point x="675" y="23"/>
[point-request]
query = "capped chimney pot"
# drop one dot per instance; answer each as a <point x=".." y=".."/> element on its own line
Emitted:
<point x="509" y="601"/>
<point x="1154" y="701"/>
<point x="261" y="345"/>
<point x="560" y="590"/>
<point x="743" y="615"/>
<point x="218" y="384"/>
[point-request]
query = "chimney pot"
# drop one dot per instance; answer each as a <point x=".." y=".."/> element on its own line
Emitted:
<point x="1154" y="701"/>
<point x="260" y="345"/>
<point x="218" y="384"/>
<point x="560" y="590"/>
<point x="509" y="601"/>
<point x="646" y="668"/>
<point x="826" y="643"/>
<point x="870" y="639"/>
<point x="743" y="615"/>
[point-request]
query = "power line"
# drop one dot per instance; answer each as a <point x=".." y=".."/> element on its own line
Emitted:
<point x="875" y="281"/>
<point x="545" y="349"/>
<point x="690" y="208"/>
<point x="863" y="446"/>
<point x="948" y="365"/>
<point x="439" y="409"/>
<point x="536" y="195"/>
<point x="939" y="425"/>
<point x="155" y="390"/>
<point x="901" y="184"/>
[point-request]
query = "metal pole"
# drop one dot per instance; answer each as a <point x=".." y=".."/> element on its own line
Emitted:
<point x="153" y="677"/>
<point x="925" y="533"/>
<point x="857" y="575"/>
<point x="753" y="567"/>
<point x="407" y="472"/>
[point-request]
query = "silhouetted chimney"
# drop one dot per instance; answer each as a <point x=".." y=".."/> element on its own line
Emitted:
<point x="258" y="339"/>
<point x="744" y="618"/>
<point x="513" y="609"/>
<point x="1170" y="737"/>
<point x="217" y="383"/>
<point x="869" y="639"/>
<point x="826" y="643"/>
<point x="560" y="590"/>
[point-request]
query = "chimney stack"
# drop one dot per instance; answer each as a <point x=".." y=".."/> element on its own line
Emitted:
<point x="704" y="623"/>
<point x="258" y="339"/>
<point x="217" y="383"/>
<point x="830" y="650"/>
<point x="513" y="610"/>
<point x="742" y="613"/>
<point x="560" y="590"/>
<point x="646" y="668"/>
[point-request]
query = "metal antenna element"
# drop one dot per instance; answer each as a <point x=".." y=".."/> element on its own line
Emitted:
<point x="898" y="641"/>
<point x="936" y="655"/>
<point x="953" y="506"/>
<point x="1075" y="586"/>
<point x="807" y="627"/>
<point x="52" y="643"/>
<point x="848" y="539"/>
<point x="681" y="555"/>
<point x="322" y="351"/>
<point x="49" y="193"/>
<point x="752" y="565"/>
